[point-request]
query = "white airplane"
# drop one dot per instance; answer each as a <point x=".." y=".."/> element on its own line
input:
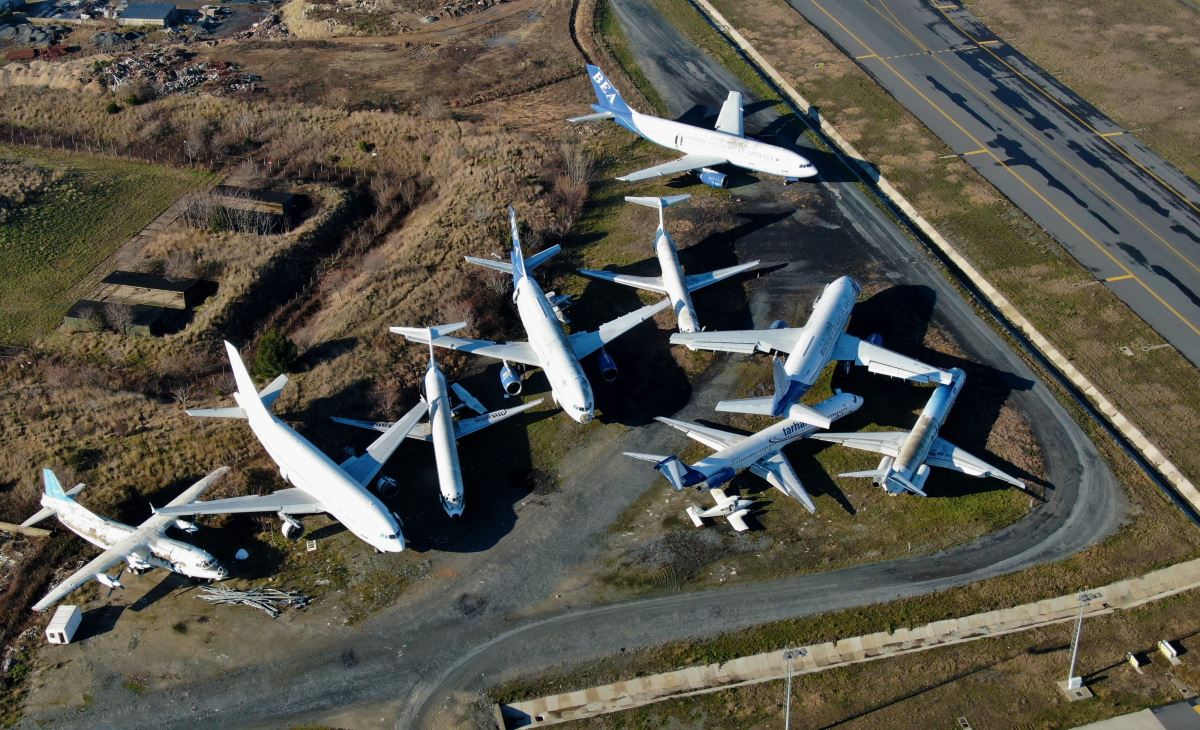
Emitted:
<point x="759" y="452"/>
<point x="907" y="455"/>
<point x="443" y="429"/>
<point x="320" y="484"/>
<point x="141" y="548"/>
<point x="548" y="347"/>
<point x="703" y="149"/>
<point x="731" y="508"/>
<point x="673" y="282"/>
<point x="809" y="349"/>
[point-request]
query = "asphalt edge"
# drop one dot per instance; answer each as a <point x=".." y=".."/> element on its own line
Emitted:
<point x="1182" y="489"/>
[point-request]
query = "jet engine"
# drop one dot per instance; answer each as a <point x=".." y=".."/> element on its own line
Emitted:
<point x="608" y="366"/>
<point x="139" y="559"/>
<point x="712" y="178"/>
<point x="386" y="486"/>
<point x="186" y="526"/>
<point x="778" y="324"/>
<point x="885" y="465"/>
<point x="721" y="476"/>
<point x="290" y="527"/>
<point x="509" y="380"/>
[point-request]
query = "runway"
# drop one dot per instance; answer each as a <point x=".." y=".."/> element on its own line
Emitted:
<point x="1123" y="212"/>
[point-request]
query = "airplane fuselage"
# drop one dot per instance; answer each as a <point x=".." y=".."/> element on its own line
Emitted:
<point x="910" y="461"/>
<point x="307" y="467"/>
<point x="674" y="283"/>
<point x="744" y="152"/>
<point x="814" y="348"/>
<point x="445" y="447"/>
<point x="568" y="383"/>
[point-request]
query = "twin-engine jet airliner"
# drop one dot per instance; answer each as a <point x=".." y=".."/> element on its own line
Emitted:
<point x="758" y="452"/>
<point x="673" y="282"/>
<point x="443" y="429"/>
<point x="142" y="547"/>
<point x="703" y="149"/>
<point x="907" y="455"/>
<point x="548" y="348"/>
<point x="809" y="349"/>
<point x="319" y="483"/>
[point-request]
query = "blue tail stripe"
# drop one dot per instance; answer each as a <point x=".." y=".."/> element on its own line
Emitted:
<point x="53" y="487"/>
<point x="606" y="94"/>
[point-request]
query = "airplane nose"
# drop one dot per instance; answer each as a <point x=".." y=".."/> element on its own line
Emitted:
<point x="585" y="417"/>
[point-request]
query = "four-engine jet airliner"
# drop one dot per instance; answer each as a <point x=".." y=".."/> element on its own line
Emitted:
<point x="548" y="348"/>
<point x="809" y="349"/>
<point x="703" y="149"/>
<point x="758" y="452"/>
<point x="907" y="455"/>
<point x="320" y="484"/>
<point x="443" y="429"/>
<point x="673" y="282"/>
<point x="142" y="547"/>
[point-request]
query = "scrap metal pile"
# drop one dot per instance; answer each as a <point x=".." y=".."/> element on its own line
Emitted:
<point x="173" y="71"/>
<point x="267" y="599"/>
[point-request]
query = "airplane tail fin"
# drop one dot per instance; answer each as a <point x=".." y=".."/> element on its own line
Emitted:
<point x="53" y="491"/>
<point x="520" y="266"/>
<point x="246" y="392"/>
<point x="660" y="203"/>
<point x="608" y="99"/>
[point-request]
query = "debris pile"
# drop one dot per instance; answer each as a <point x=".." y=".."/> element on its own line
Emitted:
<point x="173" y="71"/>
<point x="465" y="7"/>
<point x="106" y="39"/>
<point x="267" y="599"/>
<point x="268" y="27"/>
<point x="25" y="34"/>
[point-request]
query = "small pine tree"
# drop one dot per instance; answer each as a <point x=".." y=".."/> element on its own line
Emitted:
<point x="276" y="353"/>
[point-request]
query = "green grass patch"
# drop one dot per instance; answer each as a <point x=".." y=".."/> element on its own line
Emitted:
<point x="83" y="212"/>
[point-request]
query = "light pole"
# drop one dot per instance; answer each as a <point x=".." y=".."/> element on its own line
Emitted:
<point x="789" y="655"/>
<point x="1074" y="682"/>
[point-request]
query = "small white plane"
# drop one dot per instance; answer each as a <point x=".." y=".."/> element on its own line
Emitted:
<point x="703" y="149"/>
<point x="320" y="484"/>
<point x="759" y="452"/>
<point x="548" y="347"/>
<point x="733" y="509"/>
<point x="443" y="429"/>
<point x="809" y="349"/>
<point x="907" y="455"/>
<point x="141" y="548"/>
<point x="673" y="282"/>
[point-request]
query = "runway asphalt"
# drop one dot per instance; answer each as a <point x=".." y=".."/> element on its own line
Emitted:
<point x="1122" y="211"/>
<point x="432" y="655"/>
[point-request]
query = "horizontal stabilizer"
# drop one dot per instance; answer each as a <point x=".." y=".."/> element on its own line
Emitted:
<point x="268" y="394"/>
<point x="765" y="407"/>
<point x="699" y="281"/>
<point x="531" y="263"/>
<point x="660" y="203"/>
<point x="868" y="474"/>
<point x="422" y="334"/>
<point x="646" y="283"/>
<point x="653" y="458"/>
<point x="591" y="117"/>
<point x="230" y="412"/>
<point x="895" y="480"/>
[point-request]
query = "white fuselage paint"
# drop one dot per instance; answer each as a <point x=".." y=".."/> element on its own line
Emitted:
<point x="445" y="446"/>
<point x="916" y="447"/>
<point x="674" y="281"/>
<point x="307" y="467"/>
<point x="740" y="151"/>
<point x="814" y="348"/>
<point x="568" y="384"/>
<point x="773" y="438"/>
<point x="159" y="551"/>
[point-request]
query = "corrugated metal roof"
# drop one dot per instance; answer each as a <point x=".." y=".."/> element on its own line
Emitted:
<point x="148" y="11"/>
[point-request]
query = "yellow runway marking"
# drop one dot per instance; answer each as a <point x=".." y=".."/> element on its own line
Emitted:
<point x="989" y="43"/>
<point x="974" y="152"/>
<point x="1111" y="134"/>
<point x="1037" y="193"/>
<point x="869" y="55"/>
<point x="1123" y="277"/>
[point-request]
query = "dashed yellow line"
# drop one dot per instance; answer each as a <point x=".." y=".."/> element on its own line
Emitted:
<point x="869" y="55"/>
<point x="1037" y="193"/>
<point x="974" y="152"/>
<point x="1122" y="277"/>
<point x="1106" y="135"/>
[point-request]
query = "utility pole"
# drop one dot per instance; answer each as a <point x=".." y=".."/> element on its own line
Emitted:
<point x="789" y="655"/>
<point x="1074" y="683"/>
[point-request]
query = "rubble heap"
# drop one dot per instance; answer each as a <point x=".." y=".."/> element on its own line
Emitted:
<point x="173" y="70"/>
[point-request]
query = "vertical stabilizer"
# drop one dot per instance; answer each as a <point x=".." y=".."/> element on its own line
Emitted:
<point x="53" y="486"/>
<point x="518" y="256"/>
<point x="607" y="96"/>
<point x="241" y="376"/>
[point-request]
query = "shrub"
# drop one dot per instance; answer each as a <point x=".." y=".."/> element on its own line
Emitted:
<point x="112" y="107"/>
<point x="276" y="353"/>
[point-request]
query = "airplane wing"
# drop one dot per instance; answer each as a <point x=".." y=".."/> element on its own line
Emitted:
<point x="510" y="351"/>
<point x="585" y="343"/>
<point x="778" y="472"/>
<point x="649" y="283"/>
<point x="467" y="399"/>
<point x="730" y="119"/>
<point x="881" y="442"/>
<point x="948" y="456"/>
<point x="699" y="281"/>
<point x="713" y="438"/>
<point x="98" y="564"/>
<point x="885" y="362"/>
<point x="744" y="341"/>
<point x="478" y="423"/>
<point x="158" y="522"/>
<point x="291" y="501"/>
<point x="365" y="466"/>
<point x="737" y="520"/>
<point x="687" y="163"/>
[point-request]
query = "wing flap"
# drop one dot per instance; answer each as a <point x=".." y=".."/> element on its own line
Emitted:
<point x="887" y="443"/>
<point x="883" y="361"/>
<point x="585" y="343"/>
<point x="292" y="501"/>
<point x="699" y="281"/>
<point x="687" y="163"/>
<point x="520" y="352"/>
<point x="713" y="438"/>
<point x="948" y="456"/>
<point x="647" y="283"/>
<point x="743" y="341"/>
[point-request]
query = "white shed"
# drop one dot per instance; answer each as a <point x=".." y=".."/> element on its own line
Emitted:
<point x="63" y="625"/>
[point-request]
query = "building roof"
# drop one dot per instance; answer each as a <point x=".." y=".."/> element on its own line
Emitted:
<point x="148" y="281"/>
<point x="148" y="11"/>
<point x="62" y="618"/>
<point x="267" y="196"/>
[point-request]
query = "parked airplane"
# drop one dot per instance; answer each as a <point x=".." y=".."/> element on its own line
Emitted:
<point x="810" y="348"/>
<point x="443" y="429"/>
<point x="142" y="547"/>
<point x="907" y="455"/>
<point x="759" y="452"/>
<point x="703" y="149"/>
<point x="320" y="484"/>
<point x="673" y="283"/>
<point x="548" y="347"/>
<point x="731" y="508"/>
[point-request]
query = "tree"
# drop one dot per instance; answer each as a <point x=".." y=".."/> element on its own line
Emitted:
<point x="276" y="354"/>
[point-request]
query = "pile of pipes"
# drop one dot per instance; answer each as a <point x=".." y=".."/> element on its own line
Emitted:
<point x="268" y="599"/>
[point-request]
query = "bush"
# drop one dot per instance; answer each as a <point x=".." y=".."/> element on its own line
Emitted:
<point x="112" y="107"/>
<point x="276" y="353"/>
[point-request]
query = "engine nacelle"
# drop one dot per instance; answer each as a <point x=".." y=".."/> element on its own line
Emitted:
<point x="608" y="366"/>
<point x="778" y="324"/>
<point x="139" y="559"/>
<point x="106" y="580"/>
<point x="387" y="487"/>
<point x="509" y="380"/>
<point x="885" y="465"/>
<point x="186" y="526"/>
<point x="721" y="476"/>
<point x="875" y="339"/>
<point x="921" y="475"/>
<point x="290" y="526"/>
<point x="712" y="178"/>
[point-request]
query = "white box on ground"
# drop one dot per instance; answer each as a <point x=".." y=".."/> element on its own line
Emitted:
<point x="63" y="624"/>
<point x="1168" y="650"/>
